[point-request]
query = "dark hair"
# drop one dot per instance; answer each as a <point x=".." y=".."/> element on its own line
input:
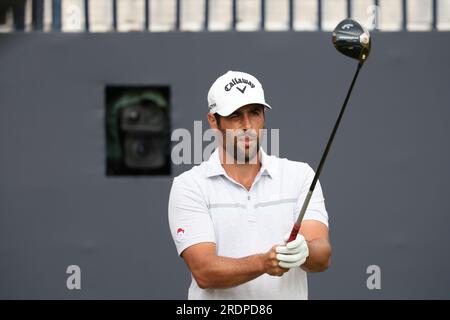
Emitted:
<point x="217" y="116"/>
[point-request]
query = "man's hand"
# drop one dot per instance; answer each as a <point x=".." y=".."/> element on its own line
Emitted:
<point x="293" y="254"/>
<point x="271" y="263"/>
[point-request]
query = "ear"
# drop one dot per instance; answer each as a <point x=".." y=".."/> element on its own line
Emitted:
<point x="212" y="121"/>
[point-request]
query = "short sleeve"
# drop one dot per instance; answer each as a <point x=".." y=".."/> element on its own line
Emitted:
<point x="316" y="208"/>
<point x="189" y="219"/>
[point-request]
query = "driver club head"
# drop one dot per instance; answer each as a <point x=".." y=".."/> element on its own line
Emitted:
<point x="352" y="39"/>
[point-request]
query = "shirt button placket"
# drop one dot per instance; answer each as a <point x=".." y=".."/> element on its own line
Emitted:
<point x="251" y="212"/>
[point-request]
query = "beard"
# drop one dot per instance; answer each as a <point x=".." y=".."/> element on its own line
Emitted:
<point x="241" y="147"/>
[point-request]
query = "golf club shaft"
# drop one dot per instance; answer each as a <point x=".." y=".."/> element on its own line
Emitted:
<point x="296" y="227"/>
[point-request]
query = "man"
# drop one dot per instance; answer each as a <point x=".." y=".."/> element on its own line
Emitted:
<point x="231" y="215"/>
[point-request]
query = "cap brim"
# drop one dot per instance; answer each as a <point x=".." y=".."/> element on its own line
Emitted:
<point x="225" y="112"/>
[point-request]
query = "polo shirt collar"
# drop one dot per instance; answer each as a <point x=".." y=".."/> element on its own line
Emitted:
<point x="214" y="167"/>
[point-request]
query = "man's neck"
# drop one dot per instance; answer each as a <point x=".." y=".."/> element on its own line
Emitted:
<point x="243" y="173"/>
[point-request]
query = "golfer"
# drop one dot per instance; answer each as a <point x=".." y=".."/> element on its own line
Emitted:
<point x="230" y="217"/>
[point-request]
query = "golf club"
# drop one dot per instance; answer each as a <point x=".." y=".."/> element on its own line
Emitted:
<point x="352" y="40"/>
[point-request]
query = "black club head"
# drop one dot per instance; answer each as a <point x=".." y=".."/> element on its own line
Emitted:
<point x="352" y="39"/>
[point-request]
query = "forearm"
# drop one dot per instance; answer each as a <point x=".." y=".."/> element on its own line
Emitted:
<point x="319" y="256"/>
<point x="222" y="272"/>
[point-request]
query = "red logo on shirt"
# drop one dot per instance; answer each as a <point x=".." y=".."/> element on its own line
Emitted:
<point x="180" y="230"/>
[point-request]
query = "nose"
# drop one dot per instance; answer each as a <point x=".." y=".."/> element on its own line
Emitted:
<point x="246" y="122"/>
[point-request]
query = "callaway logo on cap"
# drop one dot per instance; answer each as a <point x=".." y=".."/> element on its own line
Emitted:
<point x="233" y="90"/>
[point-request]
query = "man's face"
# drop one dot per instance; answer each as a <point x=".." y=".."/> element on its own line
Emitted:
<point x="241" y="133"/>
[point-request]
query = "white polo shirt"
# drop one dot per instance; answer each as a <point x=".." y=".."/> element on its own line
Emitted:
<point x="206" y="205"/>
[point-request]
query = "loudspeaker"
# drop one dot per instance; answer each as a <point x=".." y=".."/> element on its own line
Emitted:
<point x="138" y="131"/>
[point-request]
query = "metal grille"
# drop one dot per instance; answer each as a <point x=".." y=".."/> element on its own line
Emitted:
<point x="224" y="15"/>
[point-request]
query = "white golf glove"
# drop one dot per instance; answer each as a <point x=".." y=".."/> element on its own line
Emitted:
<point x="293" y="254"/>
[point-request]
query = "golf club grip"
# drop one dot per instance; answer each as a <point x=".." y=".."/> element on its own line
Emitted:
<point x="294" y="232"/>
<point x="298" y="223"/>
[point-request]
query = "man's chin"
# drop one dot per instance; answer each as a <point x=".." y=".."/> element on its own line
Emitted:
<point x="242" y="154"/>
<point x="248" y="155"/>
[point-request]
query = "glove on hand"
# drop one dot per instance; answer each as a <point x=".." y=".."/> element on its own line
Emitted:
<point x="294" y="253"/>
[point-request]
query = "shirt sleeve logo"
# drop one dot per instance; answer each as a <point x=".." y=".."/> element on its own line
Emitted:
<point x="180" y="234"/>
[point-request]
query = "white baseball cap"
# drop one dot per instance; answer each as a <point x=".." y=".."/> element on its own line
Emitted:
<point x="233" y="90"/>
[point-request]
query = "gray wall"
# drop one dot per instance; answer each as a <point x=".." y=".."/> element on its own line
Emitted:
<point x="386" y="181"/>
